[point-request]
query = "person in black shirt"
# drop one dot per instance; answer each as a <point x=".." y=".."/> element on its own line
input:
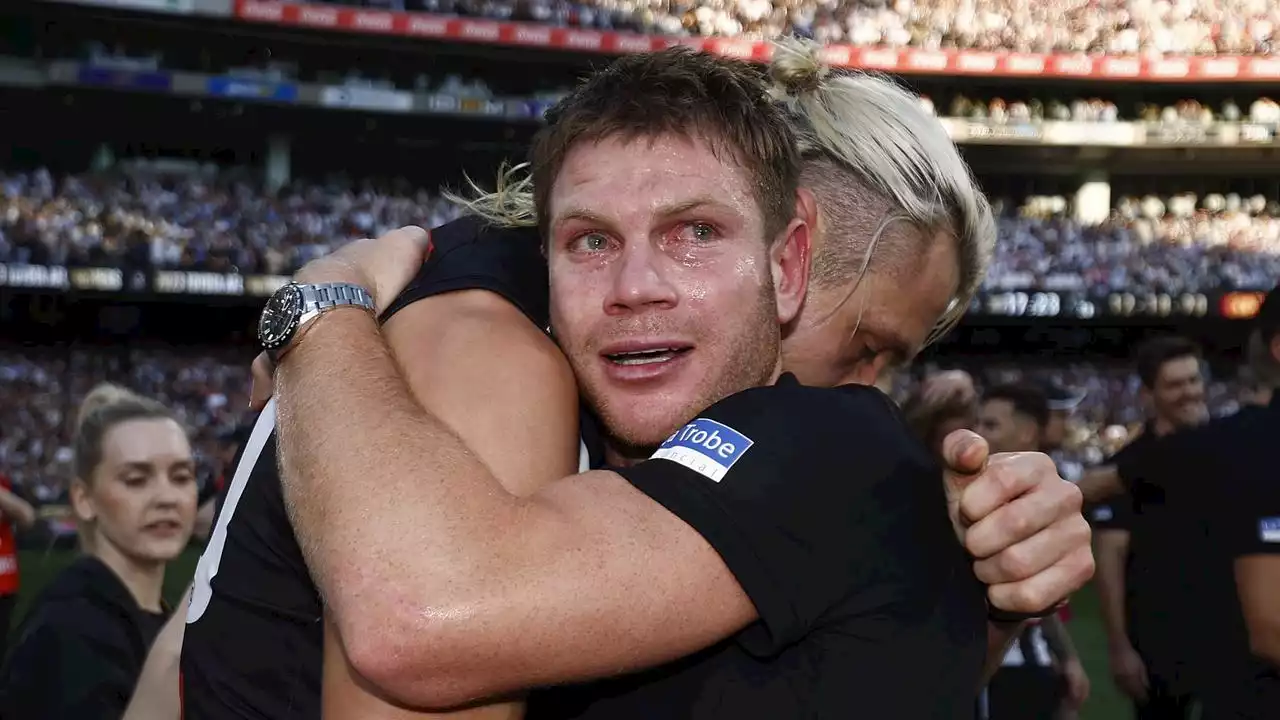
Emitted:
<point x="1220" y="480"/>
<point x="98" y="642"/>
<point x="273" y="585"/>
<point x="1142" y="545"/>
<point x="737" y="547"/>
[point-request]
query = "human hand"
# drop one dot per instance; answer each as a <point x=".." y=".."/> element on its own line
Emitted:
<point x="383" y="266"/>
<point x="1129" y="672"/>
<point x="1020" y="520"/>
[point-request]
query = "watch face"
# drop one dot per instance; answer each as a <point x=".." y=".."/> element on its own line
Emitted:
<point x="280" y="316"/>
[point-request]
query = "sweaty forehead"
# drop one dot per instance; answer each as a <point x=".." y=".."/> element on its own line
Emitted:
<point x="632" y="179"/>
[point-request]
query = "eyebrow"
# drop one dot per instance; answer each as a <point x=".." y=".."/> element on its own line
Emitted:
<point x="146" y="466"/>
<point x="667" y="211"/>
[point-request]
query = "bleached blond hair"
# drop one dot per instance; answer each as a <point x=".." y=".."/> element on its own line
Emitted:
<point x="874" y="157"/>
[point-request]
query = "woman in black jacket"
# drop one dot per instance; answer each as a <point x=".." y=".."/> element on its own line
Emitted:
<point x="99" y="644"/>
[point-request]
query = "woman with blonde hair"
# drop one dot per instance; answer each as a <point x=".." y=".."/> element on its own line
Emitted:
<point x="99" y="642"/>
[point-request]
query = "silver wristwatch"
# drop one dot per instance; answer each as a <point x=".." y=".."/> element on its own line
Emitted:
<point x="297" y="304"/>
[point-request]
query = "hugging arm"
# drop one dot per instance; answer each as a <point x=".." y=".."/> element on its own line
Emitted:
<point x="459" y="352"/>
<point x="446" y="587"/>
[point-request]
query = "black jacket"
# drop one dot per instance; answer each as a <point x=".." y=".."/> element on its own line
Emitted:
<point x="79" y="650"/>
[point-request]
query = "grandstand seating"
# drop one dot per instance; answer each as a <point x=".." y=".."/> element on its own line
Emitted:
<point x="1117" y="27"/>
<point x="1181" y="244"/>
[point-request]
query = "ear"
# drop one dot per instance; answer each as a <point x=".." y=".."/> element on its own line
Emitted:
<point x="1275" y="348"/>
<point x="807" y="207"/>
<point x="81" y="502"/>
<point x="789" y="260"/>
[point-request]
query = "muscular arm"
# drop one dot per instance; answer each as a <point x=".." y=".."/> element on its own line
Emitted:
<point x="475" y="591"/>
<point x="460" y="352"/>
<point x="348" y="696"/>
<point x="460" y="589"/>
<point x="1112" y="552"/>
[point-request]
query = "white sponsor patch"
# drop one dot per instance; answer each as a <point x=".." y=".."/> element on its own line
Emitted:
<point x="706" y="447"/>
<point x="1269" y="530"/>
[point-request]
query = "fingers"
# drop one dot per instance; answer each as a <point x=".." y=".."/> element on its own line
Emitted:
<point x="1007" y="476"/>
<point x="1025" y="515"/>
<point x="413" y="234"/>
<point x="1036" y="554"/>
<point x="964" y="451"/>
<point x="1045" y="589"/>
<point x="394" y="261"/>
<point x="263" y="382"/>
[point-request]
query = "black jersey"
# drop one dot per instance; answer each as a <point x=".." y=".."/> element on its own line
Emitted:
<point x="832" y="517"/>
<point x="1160" y="594"/>
<point x="1219" y="481"/>
<point x="254" y="636"/>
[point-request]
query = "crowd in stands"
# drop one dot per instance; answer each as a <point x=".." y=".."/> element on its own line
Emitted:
<point x="1262" y="110"/>
<point x="40" y="389"/>
<point x="1177" y="244"/>
<point x="219" y="224"/>
<point x="1113" y="27"/>
<point x="194" y="222"/>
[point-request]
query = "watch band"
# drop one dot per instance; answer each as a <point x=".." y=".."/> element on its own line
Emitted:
<point x="324" y="296"/>
<point x="313" y="301"/>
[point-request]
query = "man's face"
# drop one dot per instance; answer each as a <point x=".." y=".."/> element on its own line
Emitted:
<point x="666" y="296"/>
<point x="1006" y="430"/>
<point x="857" y="332"/>
<point x="1178" y="395"/>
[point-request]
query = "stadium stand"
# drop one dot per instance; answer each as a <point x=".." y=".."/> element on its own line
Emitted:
<point x="1113" y="26"/>
<point x="207" y="223"/>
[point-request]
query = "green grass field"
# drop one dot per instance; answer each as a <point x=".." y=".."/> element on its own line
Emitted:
<point x="1105" y="702"/>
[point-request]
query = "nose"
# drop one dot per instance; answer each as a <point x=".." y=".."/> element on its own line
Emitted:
<point x="171" y="494"/>
<point x="640" y="281"/>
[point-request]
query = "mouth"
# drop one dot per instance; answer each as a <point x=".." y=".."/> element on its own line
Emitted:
<point x="163" y="527"/>
<point x="647" y="355"/>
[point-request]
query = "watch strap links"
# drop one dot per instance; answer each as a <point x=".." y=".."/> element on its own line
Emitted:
<point x="325" y="296"/>
<point x="315" y="300"/>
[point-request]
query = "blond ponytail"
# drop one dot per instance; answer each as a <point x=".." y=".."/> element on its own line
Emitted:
<point x="797" y="69"/>
<point x="863" y="129"/>
<point x="509" y="204"/>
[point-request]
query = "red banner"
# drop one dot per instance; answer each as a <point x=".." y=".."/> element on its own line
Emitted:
<point x="921" y="62"/>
